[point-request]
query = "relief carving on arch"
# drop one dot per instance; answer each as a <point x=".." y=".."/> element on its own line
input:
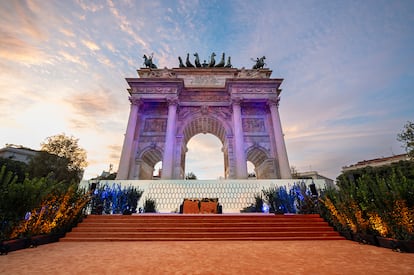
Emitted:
<point x="254" y="110"/>
<point x="154" y="109"/>
<point x="218" y="111"/>
<point x="243" y="73"/>
<point x="161" y="73"/>
<point x="155" y="90"/>
<point x="208" y="97"/>
<point x="159" y="139"/>
<point x="255" y="90"/>
<point x="253" y="125"/>
<point x="204" y="109"/>
<point x="224" y="112"/>
<point x="155" y="125"/>
<point x="185" y="111"/>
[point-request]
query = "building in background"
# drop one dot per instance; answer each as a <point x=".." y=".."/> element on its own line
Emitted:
<point x="17" y="153"/>
<point x="376" y="162"/>
<point x="314" y="175"/>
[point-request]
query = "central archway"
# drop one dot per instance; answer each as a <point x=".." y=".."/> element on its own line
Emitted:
<point x="204" y="157"/>
<point x="205" y="125"/>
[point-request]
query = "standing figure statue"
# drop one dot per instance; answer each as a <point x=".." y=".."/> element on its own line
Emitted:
<point x="181" y="64"/>
<point x="197" y="61"/>
<point x="212" y="60"/>
<point x="187" y="62"/>
<point x="259" y="62"/>
<point x="228" y="65"/>
<point x="222" y="61"/>
<point x="148" y="62"/>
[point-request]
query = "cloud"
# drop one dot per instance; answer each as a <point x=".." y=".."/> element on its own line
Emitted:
<point x="73" y="58"/>
<point x="90" y="5"/>
<point x="17" y="50"/>
<point x="92" y="104"/>
<point x="97" y="110"/>
<point x="110" y="46"/>
<point x="67" y="32"/>
<point x="125" y="25"/>
<point x="105" y="61"/>
<point x="90" y="45"/>
<point x="114" y="153"/>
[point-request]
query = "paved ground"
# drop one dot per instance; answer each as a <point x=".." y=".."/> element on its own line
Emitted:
<point x="198" y="257"/>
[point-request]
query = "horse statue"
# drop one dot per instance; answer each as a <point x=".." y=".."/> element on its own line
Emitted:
<point x="212" y="60"/>
<point x="148" y="62"/>
<point x="222" y="61"/>
<point x="181" y="65"/>
<point x="187" y="62"/>
<point x="259" y="63"/>
<point x="228" y="65"/>
<point x="197" y="61"/>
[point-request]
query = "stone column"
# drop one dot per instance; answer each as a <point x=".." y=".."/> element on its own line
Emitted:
<point x="168" y="157"/>
<point x="241" y="164"/>
<point x="127" y="152"/>
<point x="279" y="139"/>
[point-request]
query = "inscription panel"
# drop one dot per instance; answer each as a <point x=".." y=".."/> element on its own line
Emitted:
<point x="205" y="81"/>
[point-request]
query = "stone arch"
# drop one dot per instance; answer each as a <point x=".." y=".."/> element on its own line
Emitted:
<point x="146" y="161"/>
<point x="205" y="124"/>
<point x="264" y="165"/>
<point x="169" y="106"/>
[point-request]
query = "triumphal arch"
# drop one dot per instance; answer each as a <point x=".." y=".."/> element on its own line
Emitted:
<point x="170" y="106"/>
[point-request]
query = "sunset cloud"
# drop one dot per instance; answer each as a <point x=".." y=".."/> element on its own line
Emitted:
<point x="90" y="45"/>
<point x="15" y="49"/>
<point x="73" y="58"/>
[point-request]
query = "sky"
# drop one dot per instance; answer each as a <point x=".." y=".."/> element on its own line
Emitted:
<point x="348" y="70"/>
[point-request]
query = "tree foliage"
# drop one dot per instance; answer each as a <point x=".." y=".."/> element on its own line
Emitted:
<point x="17" y="167"/>
<point x="66" y="147"/>
<point x="190" y="176"/>
<point x="407" y="137"/>
<point x="61" y="159"/>
<point x="19" y="196"/>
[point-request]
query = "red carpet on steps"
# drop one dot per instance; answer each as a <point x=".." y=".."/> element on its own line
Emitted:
<point x="176" y="227"/>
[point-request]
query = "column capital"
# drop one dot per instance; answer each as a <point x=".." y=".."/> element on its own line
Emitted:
<point x="274" y="101"/>
<point x="172" y="100"/>
<point x="135" y="100"/>
<point x="236" y="100"/>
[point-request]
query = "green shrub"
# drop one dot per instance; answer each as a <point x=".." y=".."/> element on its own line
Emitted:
<point x="150" y="206"/>
<point x="373" y="200"/>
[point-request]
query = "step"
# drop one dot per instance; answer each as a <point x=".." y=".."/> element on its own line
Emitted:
<point x="198" y="228"/>
<point x="202" y="227"/>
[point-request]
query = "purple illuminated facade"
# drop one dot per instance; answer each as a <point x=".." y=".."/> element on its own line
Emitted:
<point x="170" y="106"/>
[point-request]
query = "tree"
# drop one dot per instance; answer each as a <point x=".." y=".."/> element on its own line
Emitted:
<point x="61" y="159"/>
<point x="294" y="172"/>
<point x="17" y="167"/>
<point x="407" y="137"/>
<point x="67" y="147"/>
<point x="190" y="176"/>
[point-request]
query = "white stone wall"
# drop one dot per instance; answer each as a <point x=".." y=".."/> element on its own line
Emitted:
<point x="233" y="195"/>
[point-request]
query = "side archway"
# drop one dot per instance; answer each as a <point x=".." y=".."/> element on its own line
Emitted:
<point x="146" y="162"/>
<point x="264" y="165"/>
